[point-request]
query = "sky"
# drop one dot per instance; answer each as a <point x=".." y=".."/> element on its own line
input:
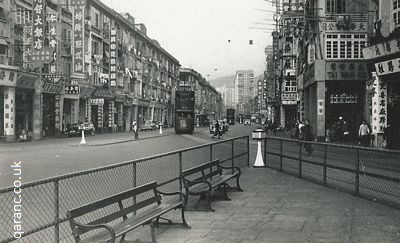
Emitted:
<point x="210" y="36"/>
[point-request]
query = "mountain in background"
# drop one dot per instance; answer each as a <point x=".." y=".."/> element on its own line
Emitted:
<point x="223" y="82"/>
<point x="228" y="81"/>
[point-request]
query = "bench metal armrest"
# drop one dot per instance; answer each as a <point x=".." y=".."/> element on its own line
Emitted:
<point x="95" y="226"/>
<point x="174" y="193"/>
<point x="230" y="167"/>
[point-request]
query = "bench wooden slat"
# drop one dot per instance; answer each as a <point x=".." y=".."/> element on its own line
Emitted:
<point x="135" y="222"/>
<point x="90" y="207"/>
<point x="200" y="167"/>
<point x="115" y="215"/>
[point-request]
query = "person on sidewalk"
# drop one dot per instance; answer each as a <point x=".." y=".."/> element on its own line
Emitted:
<point x="135" y="129"/>
<point x="346" y="132"/>
<point x="363" y="133"/>
<point x="307" y="136"/>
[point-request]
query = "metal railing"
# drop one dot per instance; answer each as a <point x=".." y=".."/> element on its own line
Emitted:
<point x="370" y="173"/>
<point x="45" y="202"/>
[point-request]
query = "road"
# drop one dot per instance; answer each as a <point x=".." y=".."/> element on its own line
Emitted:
<point x="58" y="156"/>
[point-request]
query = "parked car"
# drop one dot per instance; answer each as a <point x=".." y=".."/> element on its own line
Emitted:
<point x="247" y="122"/>
<point x="75" y="129"/>
<point x="148" y="125"/>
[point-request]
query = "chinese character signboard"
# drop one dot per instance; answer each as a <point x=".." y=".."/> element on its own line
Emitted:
<point x="27" y="45"/>
<point x="71" y="89"/>
<point x="388" y="67"/>
<point x="113" y="57"/>
<point x="382" y="49"/>
<point x="53" y="22"/>
<point x="379" y="104"/>
<point x="78" y="28"/>
<point x="38" y="15"/>
<point x="346" y="71"/>
<point x="8" y="77"/>
<point x="347" y="24"/>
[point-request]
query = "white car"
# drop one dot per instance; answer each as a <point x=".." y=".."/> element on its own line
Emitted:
<point x="247" y="122"/>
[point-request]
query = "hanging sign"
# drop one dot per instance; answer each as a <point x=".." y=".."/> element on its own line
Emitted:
<point x="113" y="57"/>
<point x="379" y="104"/>
<point x="78" y="28"/>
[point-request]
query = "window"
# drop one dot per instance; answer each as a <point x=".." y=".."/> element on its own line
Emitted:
<point x="22" y="16"/>
<point x="345" y="46"/>
<point x="396" y="13"/>
<point x="94" y="17"/>
<point x="335" y="6"/>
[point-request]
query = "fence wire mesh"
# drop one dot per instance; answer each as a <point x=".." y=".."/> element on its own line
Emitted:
<point x="370" y="173"/>
<point x="46" y="202"/>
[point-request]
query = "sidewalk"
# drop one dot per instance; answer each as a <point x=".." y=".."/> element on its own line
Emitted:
<point x="279" y="208"/>
<point x="124" y="137"/>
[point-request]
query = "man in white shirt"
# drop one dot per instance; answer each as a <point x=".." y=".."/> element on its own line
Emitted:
<point x="363" y="133"/>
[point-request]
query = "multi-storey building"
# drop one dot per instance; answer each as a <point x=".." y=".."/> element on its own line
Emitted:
<point x="270" y="84"/>
<point x="383" y="89"/>
<point x="228" y="96"/>
<point x="290" y="27"/>
<point x="244" y="90"/>
<point x="79" y="61"/>
<point x="331" y="70"/>
<point x="208" y="102"/>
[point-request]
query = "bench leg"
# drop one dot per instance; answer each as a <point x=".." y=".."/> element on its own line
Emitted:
<point x="153" y="236"/>
<point x="208" y="200"/>
<point x="185" y="224"/>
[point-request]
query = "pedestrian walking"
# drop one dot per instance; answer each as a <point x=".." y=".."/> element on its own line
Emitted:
<point x="363" y="133"/>
<point x="307" y="136"/>
<point x="216" y="130"/>
<point x="135" y="129"/>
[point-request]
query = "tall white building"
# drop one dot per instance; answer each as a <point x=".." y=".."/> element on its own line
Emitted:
<point x="244" y="87"/>
<point x="228" y="96"/>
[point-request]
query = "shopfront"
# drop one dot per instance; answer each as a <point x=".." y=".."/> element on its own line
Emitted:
<point x="102" y="110"/>
<point x="52" y="109"/>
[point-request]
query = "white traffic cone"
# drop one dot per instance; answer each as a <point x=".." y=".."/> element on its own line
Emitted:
<point x="160" y="130"/>
<point x="83" y="140"/>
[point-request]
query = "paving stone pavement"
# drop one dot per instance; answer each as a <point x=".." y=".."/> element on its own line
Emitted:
<point x="279" y="208"/>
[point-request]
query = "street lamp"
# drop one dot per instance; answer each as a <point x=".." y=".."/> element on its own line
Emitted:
<point x="259" y="135"/>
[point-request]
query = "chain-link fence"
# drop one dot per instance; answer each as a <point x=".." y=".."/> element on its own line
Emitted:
<point x="365" y="172"/>
<point x="42" y="205"/>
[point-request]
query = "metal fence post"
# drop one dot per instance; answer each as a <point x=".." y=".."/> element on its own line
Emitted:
<point x="300" y="160"/>
<point x="325" y="161"/>
<point x="281" y="158"/>
<point x="180" y="174"/>
<point x="233" y="154"/>
<point x="56" y="211"/>
<point x="134" y="182"/>
<point x="211" y="152"/>
<point x="357" y="182"/>
<point x="248" y="151"/>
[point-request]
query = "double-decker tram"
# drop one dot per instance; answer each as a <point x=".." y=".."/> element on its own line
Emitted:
<point x="184" y="111"/>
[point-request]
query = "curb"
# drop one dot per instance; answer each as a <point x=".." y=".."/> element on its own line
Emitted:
<point x="117" y="142"/>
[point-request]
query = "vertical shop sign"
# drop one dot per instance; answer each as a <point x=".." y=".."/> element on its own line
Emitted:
<point x="27" y="45"/>
<point x="78" y="36"/>
<point x="379" y="104"/>
<point x="100" y="115"/>
<point x="120" y="113"/>
<point x="38" y="21"/>
<point x="110" y="113"/>
<point x="113" y="57"/>
<point x="53" y="22"/>
<point x="57" y="119"/>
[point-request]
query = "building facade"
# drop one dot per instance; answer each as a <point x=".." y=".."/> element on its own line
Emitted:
<point x="331" y="69"/>
<point x="208" y="101"/>
<point x="79" y="61"/>
<point x="383" y="89"/>
<point x="244" y="87"/>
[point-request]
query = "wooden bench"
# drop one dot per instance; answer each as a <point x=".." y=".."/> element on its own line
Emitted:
<point x="205" y="178"/>
<point x="144" y="205"/>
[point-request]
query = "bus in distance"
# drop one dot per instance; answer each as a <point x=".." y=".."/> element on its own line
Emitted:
<point x="184" y="111"/>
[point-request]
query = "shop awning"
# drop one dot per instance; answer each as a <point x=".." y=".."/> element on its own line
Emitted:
<point x="102" y="93"/>
<point x="26" y="81"/>
<point x="3" y="42"/>
<point x="85" y="92"/>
